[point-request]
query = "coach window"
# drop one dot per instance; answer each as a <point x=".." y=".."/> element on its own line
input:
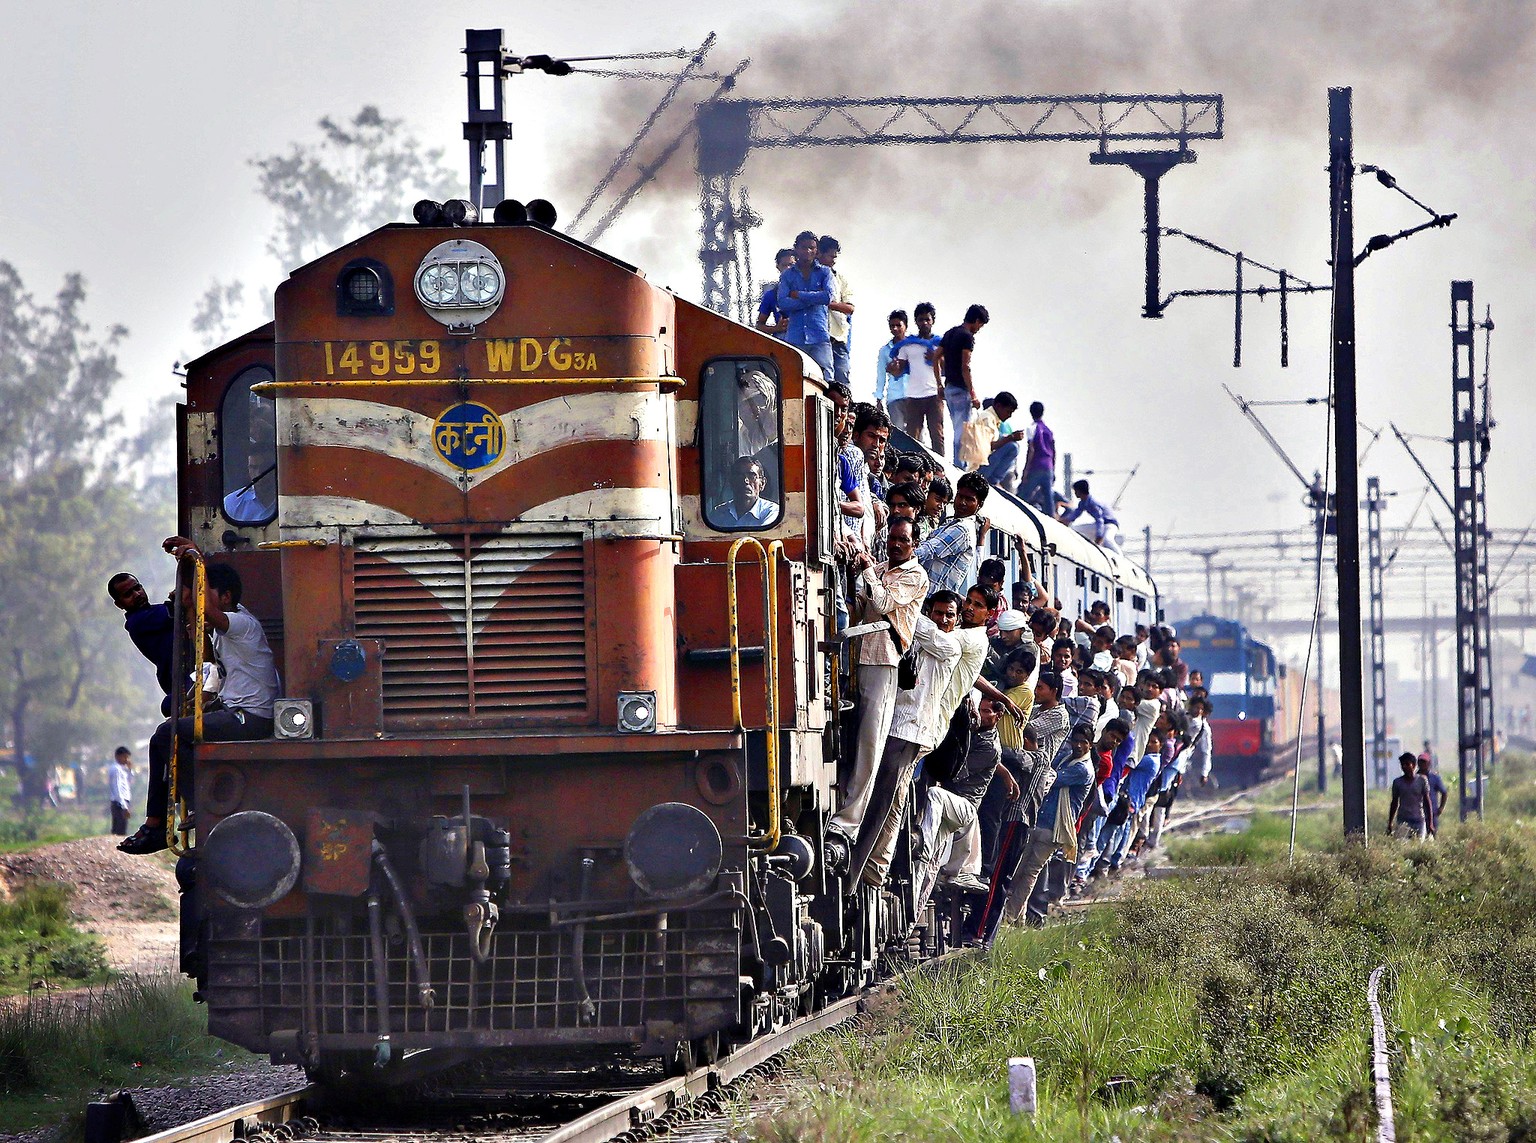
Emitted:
<point x="740" y="442"/>
<point x="248" y="448"/>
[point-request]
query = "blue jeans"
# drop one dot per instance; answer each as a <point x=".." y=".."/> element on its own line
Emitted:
<point x="840" y="360"/>
<point x="1000" y="467"/>
<point x="1035" y="489"/>
<point x="821" y="353"/>
<point x="959" y="402"/>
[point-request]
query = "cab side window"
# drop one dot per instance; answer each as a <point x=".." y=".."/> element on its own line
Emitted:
<point x="739" y="438"/>
<point x="248" y="449"/>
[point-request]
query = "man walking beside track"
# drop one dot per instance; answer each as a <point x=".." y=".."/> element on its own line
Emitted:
<point x="120" y="789"/>
<point x="1411" y="808"/>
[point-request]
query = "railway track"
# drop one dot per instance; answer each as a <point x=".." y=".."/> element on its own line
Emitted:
<point x="532" y="1105"/>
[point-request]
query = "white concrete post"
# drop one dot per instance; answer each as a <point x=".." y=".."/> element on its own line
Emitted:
<point x="1021" y="1085"/>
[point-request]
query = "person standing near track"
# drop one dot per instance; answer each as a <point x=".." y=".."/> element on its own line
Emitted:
<point x="1437" y="791"/>
<point x="1411" y="808"/>
<point x="120" y="789"/>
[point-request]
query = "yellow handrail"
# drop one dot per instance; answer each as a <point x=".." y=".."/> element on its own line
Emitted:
<point x="176" y="814"/>
<point x="769" y="559"/>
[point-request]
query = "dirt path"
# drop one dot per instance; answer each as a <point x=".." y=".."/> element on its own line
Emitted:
<point x="130" y="902"/>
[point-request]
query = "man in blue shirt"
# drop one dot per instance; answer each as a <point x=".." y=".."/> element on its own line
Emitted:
<point x="891" y="389"/>
<point x="1105" y="530"/>
<point x="805" y="291"/>
<point x="770" y="319"/>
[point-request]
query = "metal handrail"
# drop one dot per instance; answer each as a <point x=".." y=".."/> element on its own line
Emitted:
<point x="176" y="811"/>
<point x="769" y="559"/>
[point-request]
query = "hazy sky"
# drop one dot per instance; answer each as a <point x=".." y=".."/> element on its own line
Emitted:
<point x="128" y="129"/>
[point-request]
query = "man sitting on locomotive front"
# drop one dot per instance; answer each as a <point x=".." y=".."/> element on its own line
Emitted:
<point x="245" y="699"/>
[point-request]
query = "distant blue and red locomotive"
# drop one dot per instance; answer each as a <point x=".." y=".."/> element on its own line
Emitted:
<point x="1246" y="688"/>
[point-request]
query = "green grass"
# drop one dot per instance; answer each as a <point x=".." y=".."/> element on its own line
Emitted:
<point x="28" y="830"/>
<point x="54" y="1054"/>
<point x="39" y="942"/>
<point x="1228" y="1006"/>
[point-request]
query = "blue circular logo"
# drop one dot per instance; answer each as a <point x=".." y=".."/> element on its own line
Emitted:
<point x="469" y="435"/>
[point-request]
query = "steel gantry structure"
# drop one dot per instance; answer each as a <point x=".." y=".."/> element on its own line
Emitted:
<point x="728" y="130"/>
<point x="1380" y="764"/>
<point x="1470" y="428"/>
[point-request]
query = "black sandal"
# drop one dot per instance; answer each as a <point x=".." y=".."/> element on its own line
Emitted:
<point x="148" y="839"/>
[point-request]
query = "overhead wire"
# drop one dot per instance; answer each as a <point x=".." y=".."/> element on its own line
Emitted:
<point x="681" y="77"/>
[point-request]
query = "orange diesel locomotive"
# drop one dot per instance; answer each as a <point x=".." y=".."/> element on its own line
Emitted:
<point x="545" y="554"/>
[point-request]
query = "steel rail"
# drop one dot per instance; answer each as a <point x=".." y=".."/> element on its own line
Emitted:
<point x="640" y="1107"/>
<point x="225" y="1126"/>
<point x="604" y="1123"/>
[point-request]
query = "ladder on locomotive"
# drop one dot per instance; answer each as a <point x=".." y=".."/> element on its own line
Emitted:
<point x="768" y="558"/>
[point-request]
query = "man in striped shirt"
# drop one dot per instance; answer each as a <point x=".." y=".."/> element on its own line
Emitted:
<point x="949" y="553"/>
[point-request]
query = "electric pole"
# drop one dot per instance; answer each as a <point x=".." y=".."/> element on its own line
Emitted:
<point x="1341" y="168"/>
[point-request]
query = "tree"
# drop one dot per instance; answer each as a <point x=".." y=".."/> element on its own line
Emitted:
<point x="360" y="176"/>
<point x="69" y="518"/>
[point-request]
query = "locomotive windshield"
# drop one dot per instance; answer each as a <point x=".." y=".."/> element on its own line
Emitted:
<point x="248" y="439"/>
<point x="739" y="439"/>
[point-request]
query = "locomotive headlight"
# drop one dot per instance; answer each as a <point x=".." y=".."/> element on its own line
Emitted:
<point x="438" y="285"/>
<point x="673" y="850"/>
<point x="479" y="283"/>
<point x="460" y="283"/>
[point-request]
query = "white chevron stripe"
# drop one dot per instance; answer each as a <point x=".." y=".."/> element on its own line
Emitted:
<point x="340" y="422"/>
<point x="615" y="513"/>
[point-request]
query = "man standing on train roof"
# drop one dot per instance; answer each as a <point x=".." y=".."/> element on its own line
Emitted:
<point x="893" y="591"/>
<point x="839" y="309"/>
<point x="771" y="319"/>
<point x="245" y="699"/>
<point x="917" y="358"/>
<point x="1104" y="529"/>
<point x="1039" y="479"/>
<point x="891" y="388"/>
<point x="955" y="349"/>
<point x="747" y="508"/>
<point x="805" y="291"/>
<point x="949" y="553"/>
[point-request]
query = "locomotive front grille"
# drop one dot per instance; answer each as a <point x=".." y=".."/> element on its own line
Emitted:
<point x="475" y="625"/>
<point x="685" y="976"/>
